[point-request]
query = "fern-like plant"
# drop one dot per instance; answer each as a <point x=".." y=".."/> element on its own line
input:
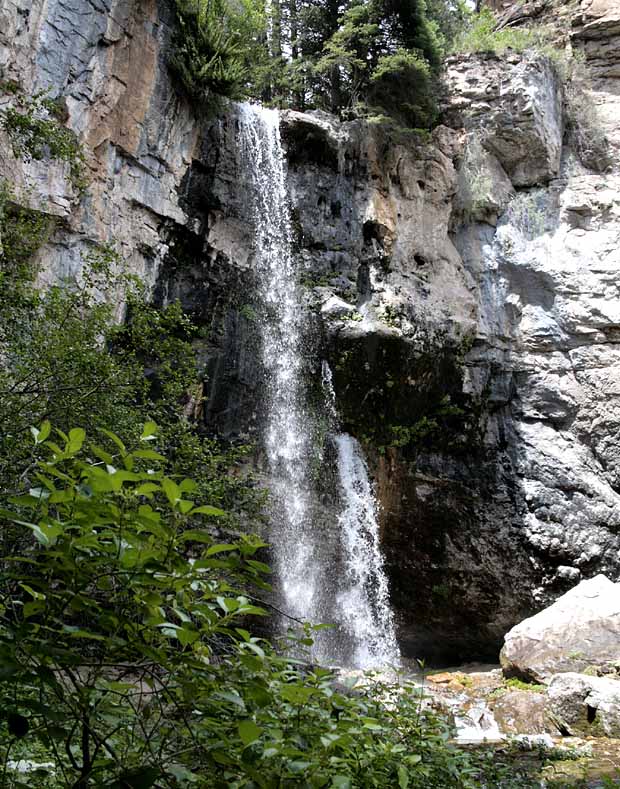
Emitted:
<point x="209" y="51"/>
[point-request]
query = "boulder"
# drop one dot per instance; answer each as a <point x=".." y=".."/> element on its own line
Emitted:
<point x="583" y="705"/>
<point x="336" y="309"/>
<point x="513" y="103"/>
<point x="580" y="630"/>
<point x="521" y="712"/>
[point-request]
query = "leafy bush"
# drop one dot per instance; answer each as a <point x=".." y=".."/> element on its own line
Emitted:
<point x="482" y="36"/>
<point x="22" y="232"/>
<point x="126" y="660"/>
<point x="402" y="84"/>
<point x="35" y="132"/>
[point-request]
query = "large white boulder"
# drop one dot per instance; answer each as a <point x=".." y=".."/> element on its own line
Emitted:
<point x="580" y="630"/>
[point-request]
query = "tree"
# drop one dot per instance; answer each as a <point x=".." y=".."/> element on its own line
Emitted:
<point x="402" y="85"/>
<point x="351" y="53"/>
<point x="385" y="54"/>
<point x="217" y="46"/>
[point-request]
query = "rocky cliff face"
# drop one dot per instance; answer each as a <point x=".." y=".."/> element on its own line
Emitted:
<point x="464" y="289"/>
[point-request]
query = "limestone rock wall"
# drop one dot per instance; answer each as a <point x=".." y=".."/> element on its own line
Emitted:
<point x="464" y="290"/>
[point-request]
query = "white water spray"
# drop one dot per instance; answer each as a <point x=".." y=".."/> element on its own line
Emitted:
<point x="363" y="596"/>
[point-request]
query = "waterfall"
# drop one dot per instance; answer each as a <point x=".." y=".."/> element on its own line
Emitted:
<point x="323" y="575"/>
<point x="363" y="596"/>
<point x="288" y="426"/>
<point x="364" y="601"/>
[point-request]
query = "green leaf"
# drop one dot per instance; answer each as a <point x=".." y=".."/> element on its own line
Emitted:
<point x="46" y="533"/>
<point x="403" y="778"/>
<point x="341" y="782"/>
<point x="188" y="486"/>
<point x="207" y="510"/>
<point x="76" y="632"/>
<point x="196" y="535"/>
<point x="298" y="766"/>
<point x="32" y="608"/>
<point x="148" y="431"/>
<point x="187" y="636"/>
<point x="76" y="440"/>
<point x="221" y="548"/>
<point x="249" y="732"/>
<point x="296" y="694"/>
<point x="261" y="567"/>
<point x="114" y="438"/>
<point x="146" y="488"/>
<point x="34" y="594"/>
<point x="234" y="698"/>
<point x="171" y="489"/>
<point x="100" y="453"/>
<point x="185" y="506"/>
<point x="42" y="433"/>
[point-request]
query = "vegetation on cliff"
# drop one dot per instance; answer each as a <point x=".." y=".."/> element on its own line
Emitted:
<point x="319" y="54"/>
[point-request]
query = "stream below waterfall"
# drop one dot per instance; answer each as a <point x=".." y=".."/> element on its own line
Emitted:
<point x="330" y="574"/>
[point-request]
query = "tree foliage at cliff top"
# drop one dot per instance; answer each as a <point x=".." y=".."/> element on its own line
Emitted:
<point x="359" y="55"/>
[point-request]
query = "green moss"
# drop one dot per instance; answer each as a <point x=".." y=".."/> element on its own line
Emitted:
<point x="518" y="684"/>
<point x="315" y="281"/>
<point x="441" y="592"/>
<point x="248" y="312"/>
<point x="394" y="395"/>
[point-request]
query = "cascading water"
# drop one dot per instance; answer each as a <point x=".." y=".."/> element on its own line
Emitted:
<point x="288" y="429"/>
<point x="364" y="600"/>
<point x="363" y="597"/>
<point x="322" y="576"/>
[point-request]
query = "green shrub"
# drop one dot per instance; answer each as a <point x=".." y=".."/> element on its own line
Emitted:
<point x="126" y="659"/>
<point x="35" y="131"/>
<point x="63" y="357"/>
<point x="22" y="232"/>
<point x="482" y="36"/>
<point x="402" y="84"/>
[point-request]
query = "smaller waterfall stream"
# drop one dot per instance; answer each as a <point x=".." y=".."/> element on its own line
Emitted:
<point x="363" y="596"/>
<point x="364" y="600"/>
